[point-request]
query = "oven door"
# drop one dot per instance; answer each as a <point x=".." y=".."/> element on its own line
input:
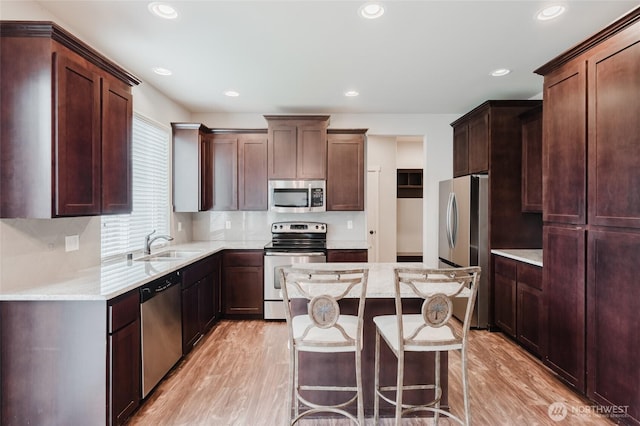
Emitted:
<point x="273" y="306"/>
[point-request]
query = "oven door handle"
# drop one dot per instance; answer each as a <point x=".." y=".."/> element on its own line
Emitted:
<point x="292" y="254"/>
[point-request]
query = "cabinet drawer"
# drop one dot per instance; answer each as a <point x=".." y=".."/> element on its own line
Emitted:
<point x="195" y="272"/>
<point x="123" y="310"/>
<point x="243" y="258"/>
<point x="530" y="275"/>
<point x="505" y="267"/>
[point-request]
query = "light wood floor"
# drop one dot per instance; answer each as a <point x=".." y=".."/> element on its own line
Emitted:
<point x="237" y="376"/>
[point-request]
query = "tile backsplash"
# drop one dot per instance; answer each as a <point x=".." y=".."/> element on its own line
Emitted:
<point x="256" y="226"/>
<point x="32" y="251"/>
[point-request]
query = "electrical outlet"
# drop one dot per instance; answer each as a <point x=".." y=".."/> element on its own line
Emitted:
<point x="179" y="226"/>
<point x="227" y="224"/>
<point x="349" y="224"/>
<point x="71" y="243"/>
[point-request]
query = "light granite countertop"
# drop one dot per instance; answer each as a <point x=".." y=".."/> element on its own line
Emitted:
<point x="380" y="283"/>
<point x="114" y="278"/>
<point x="531" y="256"/>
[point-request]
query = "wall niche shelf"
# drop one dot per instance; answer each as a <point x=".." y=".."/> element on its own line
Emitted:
<point x="409" y="183"/>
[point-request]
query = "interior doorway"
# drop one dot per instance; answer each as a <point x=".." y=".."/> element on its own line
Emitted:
<point x="394" y="224"/>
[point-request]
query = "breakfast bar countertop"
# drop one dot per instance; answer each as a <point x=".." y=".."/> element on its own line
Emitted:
<point x="531" y="256"/>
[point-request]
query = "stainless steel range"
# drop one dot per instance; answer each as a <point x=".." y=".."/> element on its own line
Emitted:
<point x="291" y="243"/>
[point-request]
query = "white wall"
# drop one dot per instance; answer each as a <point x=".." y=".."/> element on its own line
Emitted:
<point x="32" y="251"/>
<point x="409" y="210"/>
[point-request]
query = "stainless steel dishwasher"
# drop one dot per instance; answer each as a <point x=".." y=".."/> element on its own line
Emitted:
<point x="161" y="316"/>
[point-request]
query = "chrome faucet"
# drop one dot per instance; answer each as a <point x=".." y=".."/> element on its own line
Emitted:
<point x="148" y="240"/>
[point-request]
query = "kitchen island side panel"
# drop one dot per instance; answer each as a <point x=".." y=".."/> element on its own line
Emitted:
<point x="52" y="362"/>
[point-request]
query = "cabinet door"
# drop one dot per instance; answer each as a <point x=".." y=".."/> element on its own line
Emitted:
<point x="117" y="112"/>
<point x="205" y="189"/>
<point x="190" y="319"/>
<point x="529" y="307"/>
<point x="225" y="172"/>
<point x="77" y="139"/>
<point x="614" y="151"/>
<point x="461" y="150"/>
<point x="351" y="256"/>
<point x="564" y="302"/>
<point x="612" y="311"/>
<point x="242" y="283"/>
<point x="312" y="151"/>
<point x="124" y="388"/>
<point x="345" y="172"/>
<point x="564" y="145"/>
<point x="206" y="303"/>
<point x="532" y="162"/>
<point x="283" y="148"/>
<point x="504" y="284"/>
<point x="479" y="144"/>
<point x="252" y="172"/>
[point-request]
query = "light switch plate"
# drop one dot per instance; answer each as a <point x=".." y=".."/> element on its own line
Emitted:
<point x="71" y="243"/>
<point x="227" y="224"/>
<point x="349" y="224"/>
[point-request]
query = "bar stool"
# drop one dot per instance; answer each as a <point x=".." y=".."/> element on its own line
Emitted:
<point x="430" y="331"/>
<point x="324" y="329"/>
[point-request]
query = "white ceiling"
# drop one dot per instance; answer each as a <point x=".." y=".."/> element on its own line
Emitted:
<point x="301" y="56"/>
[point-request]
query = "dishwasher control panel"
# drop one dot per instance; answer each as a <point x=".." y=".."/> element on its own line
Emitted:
<point x="150" y="289"/>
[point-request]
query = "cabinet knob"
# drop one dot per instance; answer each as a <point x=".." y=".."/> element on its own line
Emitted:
<point x="371" y="231"/>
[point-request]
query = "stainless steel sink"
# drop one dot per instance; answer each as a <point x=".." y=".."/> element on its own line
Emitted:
<point x="170" y="255"/>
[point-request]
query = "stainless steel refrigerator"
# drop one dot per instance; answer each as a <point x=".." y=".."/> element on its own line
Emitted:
<point x="463" y="236"/>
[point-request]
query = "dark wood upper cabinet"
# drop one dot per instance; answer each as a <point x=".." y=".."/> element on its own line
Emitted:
<point x="117" y="107"/>
<point x="479" y="143"/>
<point x="297" y="146"/>
<point x="532" y="160"/>
<point x="345" y="171"/>
<point x="76" y="137"/>
<point x="252" y="172"/>
<point x="614" y="131"/>
<point x="225" y="172"/>
<point x="461" y="150"/>
<point x="66" y="125"/>
<point x="564" y="161"/>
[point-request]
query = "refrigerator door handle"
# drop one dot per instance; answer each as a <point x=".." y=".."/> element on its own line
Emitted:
<point x="454" y="215"/>
<point x="448" y="225"/>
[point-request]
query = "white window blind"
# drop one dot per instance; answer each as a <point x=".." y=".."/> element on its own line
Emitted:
<point x="150" y="185"/>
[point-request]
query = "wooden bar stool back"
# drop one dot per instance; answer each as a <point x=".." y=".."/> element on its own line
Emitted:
<point x="324" y="329"/>
<point x="433" y="330"/>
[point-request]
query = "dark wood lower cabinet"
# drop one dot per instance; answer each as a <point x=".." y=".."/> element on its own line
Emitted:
<point x="350" y="255"/>
<point x="564" y="295"/>
<point x="613" y="344"/>
<point x="200" y="300"/>
<point x="529" y="311"/>
<point x="504" y="288"/>
<point x="243" y="283"/>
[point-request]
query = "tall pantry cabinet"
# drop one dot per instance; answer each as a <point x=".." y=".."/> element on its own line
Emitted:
<point x="591" y="213"/>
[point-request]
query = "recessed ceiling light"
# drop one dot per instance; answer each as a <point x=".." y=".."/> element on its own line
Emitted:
<point x="371" y="10"/>
<point x="351" y="93"/>
<point x="500" y="72"/>
<point x="232" y="93"/>
<point x="550" y="12"/>
<point x="163" y="10"/>
<point x="162" y="71"/>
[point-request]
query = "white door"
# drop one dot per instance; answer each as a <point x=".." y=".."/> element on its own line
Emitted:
<point x="373" y="207"/>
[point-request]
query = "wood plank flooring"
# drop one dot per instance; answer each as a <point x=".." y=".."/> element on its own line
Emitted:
<point x="237" y="376"/>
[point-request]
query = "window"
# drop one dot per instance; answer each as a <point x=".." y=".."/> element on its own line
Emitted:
<point x="151" y="206"/>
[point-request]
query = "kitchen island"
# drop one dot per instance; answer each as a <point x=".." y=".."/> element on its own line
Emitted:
<point x="338" y="369"/>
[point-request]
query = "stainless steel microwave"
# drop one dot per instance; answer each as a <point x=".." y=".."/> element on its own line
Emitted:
<point x="297" y="196"/>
